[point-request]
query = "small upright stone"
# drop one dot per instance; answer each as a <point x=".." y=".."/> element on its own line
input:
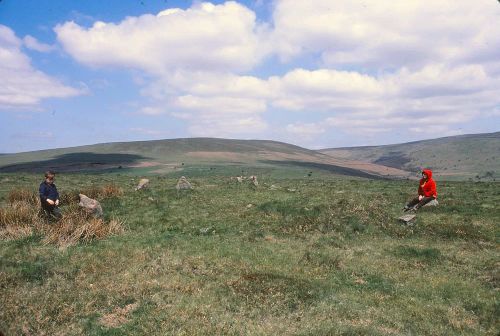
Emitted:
<point x="253" y="180"/>
<point x="90" y="205"/>
<point x="183" y="184"/>
<point x="143" y="183"/>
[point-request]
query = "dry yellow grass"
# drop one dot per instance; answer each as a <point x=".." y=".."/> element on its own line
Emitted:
<point x="22" y="195"/>
<point x="22" y="217"/>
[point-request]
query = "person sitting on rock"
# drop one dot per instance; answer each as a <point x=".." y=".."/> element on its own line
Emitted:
<point x="426" y="192"/>
<point x="49" y="197"/>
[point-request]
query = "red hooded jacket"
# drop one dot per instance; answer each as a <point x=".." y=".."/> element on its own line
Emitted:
<point x="427" y="187"/>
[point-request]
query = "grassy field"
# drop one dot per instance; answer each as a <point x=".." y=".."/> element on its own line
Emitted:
<point x="299" y="255"/>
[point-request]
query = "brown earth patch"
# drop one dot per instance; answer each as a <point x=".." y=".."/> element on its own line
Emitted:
<point x="217" y="155"/>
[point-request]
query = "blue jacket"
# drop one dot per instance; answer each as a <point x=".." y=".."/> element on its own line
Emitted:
<point x="49" y="191"/>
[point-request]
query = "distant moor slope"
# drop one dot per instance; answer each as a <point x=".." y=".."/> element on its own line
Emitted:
<point x="165" y="155"/>
<point x="474" y="156"/>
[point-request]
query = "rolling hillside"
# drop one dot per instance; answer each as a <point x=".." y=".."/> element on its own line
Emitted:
<point x="164" y="156"/>
<point x="474" y="156"/>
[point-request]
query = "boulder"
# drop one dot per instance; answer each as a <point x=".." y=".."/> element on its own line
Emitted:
<point x="183" y="184"/>
<point x="90" y="205"/>
<point x="239" y="178"/>
<point x="143" y="183"/>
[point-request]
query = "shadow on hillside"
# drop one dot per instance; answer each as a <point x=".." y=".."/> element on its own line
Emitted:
<point x="327" y="167"/>
<point x="75" y="162"/>
<point x="394" y="160"/>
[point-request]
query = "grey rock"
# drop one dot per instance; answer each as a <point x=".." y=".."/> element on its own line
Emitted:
<point x="143" y="183"/>
<point x="253" y="180"/>
<point x="432" y="203"/>
<point x="407" y="218"/>
<point x="90" y="205"/>
<point x="183" y="184"/>
<point x="207" y="230"/>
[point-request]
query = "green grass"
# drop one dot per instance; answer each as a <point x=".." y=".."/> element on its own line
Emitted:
<point x="317" y="256"/>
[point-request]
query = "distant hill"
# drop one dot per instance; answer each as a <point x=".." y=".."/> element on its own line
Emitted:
<point x="164" y="156"/>
<point x="475" y="156"/>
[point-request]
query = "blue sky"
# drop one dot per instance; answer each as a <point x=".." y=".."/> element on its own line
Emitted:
<point x="319" y="73"/>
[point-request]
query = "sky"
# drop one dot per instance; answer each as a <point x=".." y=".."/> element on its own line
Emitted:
<point x="316" y="73"/>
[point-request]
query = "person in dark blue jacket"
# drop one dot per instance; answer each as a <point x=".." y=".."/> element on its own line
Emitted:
<point x="49" y="197"/>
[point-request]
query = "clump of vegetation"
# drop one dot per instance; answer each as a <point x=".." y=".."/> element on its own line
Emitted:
<point x="22" y="195"/>
<point x="78" y="226"/>
<point x="22" y="217"/>
<point x="18" y="220"/>
<point x="106" y="191"/>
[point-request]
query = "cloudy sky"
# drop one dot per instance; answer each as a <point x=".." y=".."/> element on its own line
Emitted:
<point x="316" y="73"/>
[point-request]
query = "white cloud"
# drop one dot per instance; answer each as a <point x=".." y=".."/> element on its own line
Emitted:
<point x="412" y="64"/>
<point x="22" y="85"/>
<point x="32" y="43"/>
<point x="306" y="130"/>
<point x="324" y="90"/>
<point x="386" y="34"/>
<point x="205" y="36"/>
<point x="216" y="116"/>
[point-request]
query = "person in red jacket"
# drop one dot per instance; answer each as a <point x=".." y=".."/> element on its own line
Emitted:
<point x="426" y="192"/>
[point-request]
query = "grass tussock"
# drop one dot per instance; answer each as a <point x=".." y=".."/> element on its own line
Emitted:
<point x="22" y="218"/>
<point x="22" y="195"/>
<point x="99" y="193"/>
<point x="18" y="220"/>
<point x="78" y="226"/>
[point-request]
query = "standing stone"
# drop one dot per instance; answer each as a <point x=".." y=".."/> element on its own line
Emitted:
<point x="143" y="183"/>
<point x="253" y="180"/>
<point x="183" y="184"/>
<point x="90" y="205"/>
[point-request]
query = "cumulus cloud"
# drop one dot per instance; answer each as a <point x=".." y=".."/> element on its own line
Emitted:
<point x="205" y="36"/>
<point x="32" y="43"/>
<point x="22" y="85"/>
<point x="385" y="34"/>
<point x="411" y="64"/>
<point x="212" y="116"/>
<point x="305" y="130"/>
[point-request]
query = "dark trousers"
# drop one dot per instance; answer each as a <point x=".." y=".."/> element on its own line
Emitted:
<point x="418" y="204"/>
<point x="51" y="212"/>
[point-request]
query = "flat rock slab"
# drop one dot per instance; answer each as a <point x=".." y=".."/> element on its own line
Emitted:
<point x="407" y="218"/>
